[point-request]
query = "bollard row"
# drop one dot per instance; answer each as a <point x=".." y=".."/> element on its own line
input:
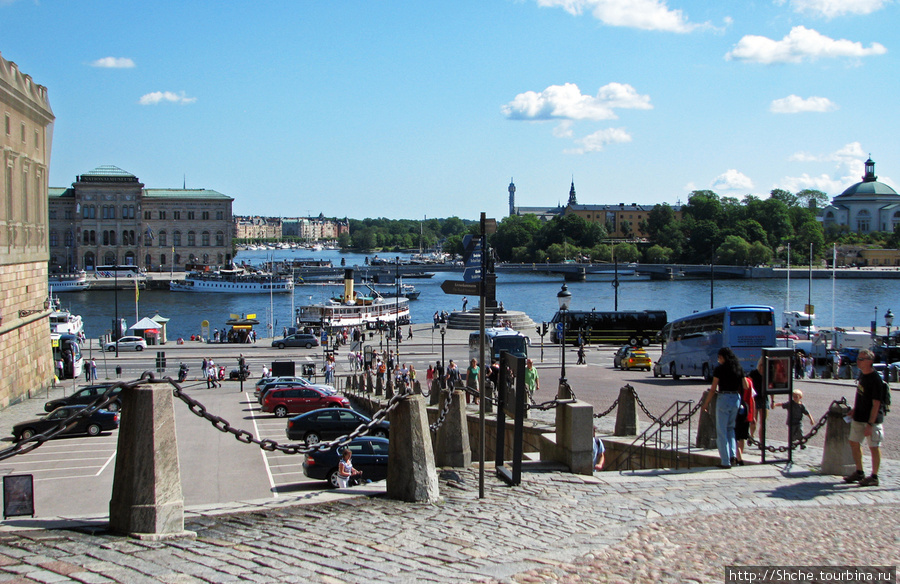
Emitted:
<point x="443" y="415"/>
<point x="801" y="442"/>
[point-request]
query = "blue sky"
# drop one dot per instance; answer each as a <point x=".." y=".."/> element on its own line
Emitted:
<point x="412" y="109"/>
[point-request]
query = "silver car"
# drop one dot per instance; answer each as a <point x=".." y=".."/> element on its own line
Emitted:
<point x="126" y="343"/>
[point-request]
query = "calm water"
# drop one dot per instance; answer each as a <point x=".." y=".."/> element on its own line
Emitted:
<point x="855" y="300"/>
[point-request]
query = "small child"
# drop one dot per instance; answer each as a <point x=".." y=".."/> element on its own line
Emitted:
<point x="795" y="417"/>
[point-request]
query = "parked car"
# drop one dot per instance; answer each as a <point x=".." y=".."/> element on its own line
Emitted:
<point x="329" y="423"/>
<point x="134" y="343"/>
<point x="86" y="396"/>
<point x="629" y="357"/>
<point x="282" y="401"/>
<point x="93" y="425"/>
<point x="297" y="340"/>
<point x="261" y="389"/>
<point x="370" y="455"/>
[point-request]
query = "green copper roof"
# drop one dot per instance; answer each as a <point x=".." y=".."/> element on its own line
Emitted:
<point x="184" y="194"/>
<point x="58" y="192"/>
<point x="108" y="170"/>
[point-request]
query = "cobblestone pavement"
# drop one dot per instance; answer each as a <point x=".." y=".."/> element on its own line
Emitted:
<point x="556" y="527"/>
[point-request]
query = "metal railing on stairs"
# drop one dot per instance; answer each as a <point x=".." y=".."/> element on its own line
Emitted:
<point x="660" y="445"/>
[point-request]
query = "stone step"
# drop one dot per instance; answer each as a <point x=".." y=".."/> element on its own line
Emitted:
<point x="470" y="320"/>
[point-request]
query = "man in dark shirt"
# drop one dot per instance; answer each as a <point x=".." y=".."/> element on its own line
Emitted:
<point x="867" y="417"/>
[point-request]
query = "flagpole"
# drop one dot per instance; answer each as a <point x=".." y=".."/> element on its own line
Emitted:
<point x="136" y="296"/>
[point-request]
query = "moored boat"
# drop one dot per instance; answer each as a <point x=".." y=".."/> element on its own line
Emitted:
<point x="63" y="322"/>
<point x="354" y="309"/>
<point x="68" y="282"/>
<point x="233" y="281"/>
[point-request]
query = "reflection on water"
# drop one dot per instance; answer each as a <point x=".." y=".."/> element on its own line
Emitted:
<point x="534" y="294"/>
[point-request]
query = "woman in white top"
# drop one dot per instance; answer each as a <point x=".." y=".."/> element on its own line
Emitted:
<point x="346" y="470"/>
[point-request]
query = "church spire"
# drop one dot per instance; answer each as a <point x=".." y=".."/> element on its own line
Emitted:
<point x="512" y="197"/>
<point x="572" y="199"/>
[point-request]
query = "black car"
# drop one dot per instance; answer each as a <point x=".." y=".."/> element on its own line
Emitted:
<point x="86" y="396"/>
<point x="297" y="340"/>
<point x="370" y="455"/>
<point x="93" y="425"/>
<point x="329" y="423"/>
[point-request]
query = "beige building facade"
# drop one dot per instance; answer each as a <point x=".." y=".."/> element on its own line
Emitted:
<point x="108" y="217"/>
<point x="25" y="353"/>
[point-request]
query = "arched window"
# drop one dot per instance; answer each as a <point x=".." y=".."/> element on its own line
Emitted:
<point x="162" y="239"/>
<point x="105" y="238"/>
<point x="863" y="221"/>
<point x="53" y="239"/>
<point x="177" y="259"/>
<point x="162" y="259"/>
<point x="204" y="238"/>
<point x="129" y="259"/>
<point x="89" y="260"/>
<point x="895" y="220"/>
<point x="192" y="239"/>
<point x="829" y="219"/>
<point x="109" y="259"/>
<point x="176" y="240"/>
<point x="147" y="261"/>
<point x="220" y="239"/>
<point x="70" y="238"/>
<point x="206" y="258"/>
<point x="87" y="237"/>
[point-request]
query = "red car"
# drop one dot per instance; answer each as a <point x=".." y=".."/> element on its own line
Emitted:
<point x="298" y="399"/>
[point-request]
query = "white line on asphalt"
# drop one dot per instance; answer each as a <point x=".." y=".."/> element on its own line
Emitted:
<point x="102" y="468"/>
<point x="69" y="459"/>
<point x="262" y="452"/>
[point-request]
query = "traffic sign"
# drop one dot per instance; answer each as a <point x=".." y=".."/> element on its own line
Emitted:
<point x="472" y="274"/>
<point x="461" y="288"/>
<point x="471" y="250"/>
<point x="559" y="327"/>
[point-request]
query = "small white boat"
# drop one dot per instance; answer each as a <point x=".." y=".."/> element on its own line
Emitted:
<point x="354" y="309"/>
<point x="63" y="322"/>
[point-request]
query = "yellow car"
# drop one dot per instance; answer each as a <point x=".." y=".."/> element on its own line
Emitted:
<point x="629" y="358"/>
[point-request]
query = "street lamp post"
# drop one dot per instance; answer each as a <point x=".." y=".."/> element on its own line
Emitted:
<point x="443" y="332"/>
<point x="565" y="298"/>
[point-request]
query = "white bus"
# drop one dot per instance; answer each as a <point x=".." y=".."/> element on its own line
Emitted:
<point x="693" y="342"/>
<point x="497" y="340"/>
<point x="67" y="348"/>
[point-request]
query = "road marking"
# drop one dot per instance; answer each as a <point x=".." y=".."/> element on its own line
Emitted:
<point x="102" y="468"/>
<point x="261" y="451"/>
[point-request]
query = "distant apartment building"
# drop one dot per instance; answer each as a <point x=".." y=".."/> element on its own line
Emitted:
<point x="306" y="228"/>
<point x="621" y="221"/>
<point x="108" y="217"/>
<point x="257" y="227"/>
<point x="25" y="354"/>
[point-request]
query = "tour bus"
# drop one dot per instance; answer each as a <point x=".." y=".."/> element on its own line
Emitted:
<point x="635" y="327"/>
<point x="692" y="343"/>
<point x="497" y="340"/>
<point x="67" y="348"/>
<point x="121" y="271"/>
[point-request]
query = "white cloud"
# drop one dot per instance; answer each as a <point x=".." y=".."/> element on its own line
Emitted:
<point x="165" y="96"/>
<point x="823" y="183"/>
<point x="113" y="63"/>
<point x="794" y="104"/>
<point x="640" y="14"/>
<point x="732" y="180"/>
<point x="849" y="163"/>
<point x="800" y="44"/>
<point x="566" y="102"/>
<point x="564" y="129"/>
<point x="833" y="8"/>
<point x="596" y="141"/>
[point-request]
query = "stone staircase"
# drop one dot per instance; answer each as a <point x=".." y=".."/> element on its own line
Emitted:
<point x="469" y="320"/>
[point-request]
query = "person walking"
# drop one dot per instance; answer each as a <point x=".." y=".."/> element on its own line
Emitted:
<point x="93" y="367"/>
<point x="532" y="380"/>
<point x="581" y="360"/>
<point x="465" y="302"/>
<point x="867" y="417"/>
<point x="452" y="375"/>
<point x="729" y="382"/>
<point x="346" y="470"/>
<point x="472" y="381"/>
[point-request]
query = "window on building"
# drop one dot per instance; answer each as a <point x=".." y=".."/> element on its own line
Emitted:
<point x="37" y="139"/>
<point x="162" y="239"/>
<point x="177" y="259"/>
<point x="863" y="221"/>
<point x="176" y="215"/>
<point x="204" y="239"/>
<point x="162" y="215"/>
<point x="176" y="239"/>
<point x="190" y="215"/>
<point x="69" y="239"/>
<point x="220" y="239"/>
<point x="8" y="125"/>
<point x="23" y="132"/>
<point x="52" y="213"/>
<point x="206" y="258"/>
<point x="220" y="215"/>
<point x="206" y="215"/>
<point x="109" y="259"/>
<point x="192" y="239"/>
<point x="53" y="238"/>
<point x="895" y="221"/>
<point x="147" y="261"/>
<point x="147" y="215"/>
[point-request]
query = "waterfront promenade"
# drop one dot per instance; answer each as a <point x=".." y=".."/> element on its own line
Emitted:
<point x="650" y="526"/>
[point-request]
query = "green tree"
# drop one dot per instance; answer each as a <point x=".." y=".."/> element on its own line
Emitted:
<point x="810" y="233"/>
<point x="557" y="252"/>
<point x="813" y="199"/>
<point x="659" y="217"/>
<point x="513" y="232"/>
<point x="734" y="251"/>
<point x="704" y="206"/>
<point x="625" y="226"/>
<point x="786" y="197"/>
<point x="627" y="252"/>
<point x="658" y="254"/>
<point x="760" y="254"/>
<point x="601" y="253"/>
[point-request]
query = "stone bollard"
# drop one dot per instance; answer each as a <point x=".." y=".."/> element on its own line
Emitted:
<point x="706" y="426"/>
<point x="379" y="386"/>
<point x="389" y="390"/>
<point x="574" y="436"/>
<point x="435" y="395"/>
<point x="354" y="382"/>
<point x="837" y="459"/>
<point x="488" y="396"/>
<point x="452" y="440"/>
<point x="412" y="475"/>
<point x="146" y="501"/>
<point x="417" y="387"/>
<point x="626" y="413"/>
<point x="369" y="383"/>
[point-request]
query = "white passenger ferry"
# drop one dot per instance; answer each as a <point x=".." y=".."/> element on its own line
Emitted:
<point x="63" y="322"/>
<point x="233" y="281"/>
<point x="354" y="309"/>
<point x="68" y="282"/>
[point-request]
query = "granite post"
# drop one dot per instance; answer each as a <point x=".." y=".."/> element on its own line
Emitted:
<point x="626" y="413"/>
<point x="412" y="475"/>
<point x="452" y="441"/>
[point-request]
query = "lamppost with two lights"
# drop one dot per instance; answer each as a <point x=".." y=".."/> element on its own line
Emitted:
<point x="443" y="368"/>
<point x="564" y="297"/>
<point x="888" y="321"/>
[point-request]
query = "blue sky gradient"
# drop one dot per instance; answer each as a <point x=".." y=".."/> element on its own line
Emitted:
<point x="405" y="110"/>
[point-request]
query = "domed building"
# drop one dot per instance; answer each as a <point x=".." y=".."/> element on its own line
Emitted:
<point x="866" y="206"/>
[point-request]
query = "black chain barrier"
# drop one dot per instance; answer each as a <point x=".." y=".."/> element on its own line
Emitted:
<point x="614" y="405"/>
<point x="801" y="442"/>
<point x="222" y="425"/>
<point x="554" y="403"/>
<point x="443" y="415"/>
<point x="671" y="423"/>
<point x="26" y="445"/>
